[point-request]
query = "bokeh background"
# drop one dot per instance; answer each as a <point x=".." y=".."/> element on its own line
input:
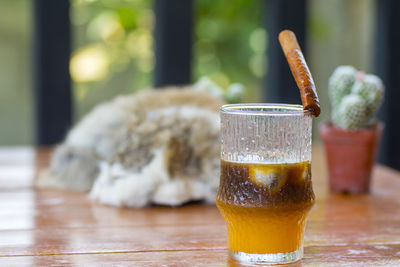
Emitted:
<point x="113" y="44"/>
<point x="113" y="51"/>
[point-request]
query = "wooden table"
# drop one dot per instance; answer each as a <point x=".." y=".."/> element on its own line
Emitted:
<point x="58" y="228"/>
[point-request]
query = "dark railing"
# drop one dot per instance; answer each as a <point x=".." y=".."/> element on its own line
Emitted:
<point x="173" y="44"/>
<point x="280" y="15"/>
<point x="52" y="83"/>
<point x="387" y="66"/>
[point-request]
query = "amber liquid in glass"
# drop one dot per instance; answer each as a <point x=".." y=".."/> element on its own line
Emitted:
<point x="265" y="205"/>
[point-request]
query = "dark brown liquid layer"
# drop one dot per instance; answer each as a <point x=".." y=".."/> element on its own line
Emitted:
<point x="266" y="185"/>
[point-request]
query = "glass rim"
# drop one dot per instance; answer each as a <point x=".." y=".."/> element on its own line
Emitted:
<point x="251" y="109"/>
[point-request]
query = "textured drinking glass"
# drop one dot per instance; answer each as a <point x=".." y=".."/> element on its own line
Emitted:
<point x="265" y="190"/>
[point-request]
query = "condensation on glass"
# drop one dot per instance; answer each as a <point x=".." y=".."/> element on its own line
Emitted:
<point x="258" y="133"/>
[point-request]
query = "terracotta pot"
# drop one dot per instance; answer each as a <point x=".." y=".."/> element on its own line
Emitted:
<point x="350" y="157"/>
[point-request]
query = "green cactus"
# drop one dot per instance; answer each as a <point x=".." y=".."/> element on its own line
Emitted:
<point x="355" y="97"/>
<point x="340" y="83"/>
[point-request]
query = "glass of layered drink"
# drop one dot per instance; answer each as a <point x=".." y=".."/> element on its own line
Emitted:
<point x="265" y="190"/>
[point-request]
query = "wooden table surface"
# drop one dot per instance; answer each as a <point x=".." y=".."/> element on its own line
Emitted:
<point x="57" y="228"/>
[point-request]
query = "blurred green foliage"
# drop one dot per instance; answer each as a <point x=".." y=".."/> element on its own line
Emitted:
<point x="113" y="47"/>
<point x="16" y="96"/>
<point x="230" y="43"/>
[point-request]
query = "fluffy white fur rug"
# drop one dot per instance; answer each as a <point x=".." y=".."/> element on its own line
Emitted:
<point x="155" y="146"/>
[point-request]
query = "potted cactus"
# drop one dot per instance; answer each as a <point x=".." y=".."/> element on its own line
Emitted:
<point x="352" y="136"/>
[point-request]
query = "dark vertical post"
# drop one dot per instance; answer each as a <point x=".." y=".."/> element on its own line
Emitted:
<point x="280" y="15"/>
<point x="387" y="65"/>
<point x="173" y="42"/>
<point x="52" y="86"/>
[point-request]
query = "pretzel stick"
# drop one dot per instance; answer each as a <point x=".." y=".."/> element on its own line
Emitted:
<point x="300" y="71"/>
